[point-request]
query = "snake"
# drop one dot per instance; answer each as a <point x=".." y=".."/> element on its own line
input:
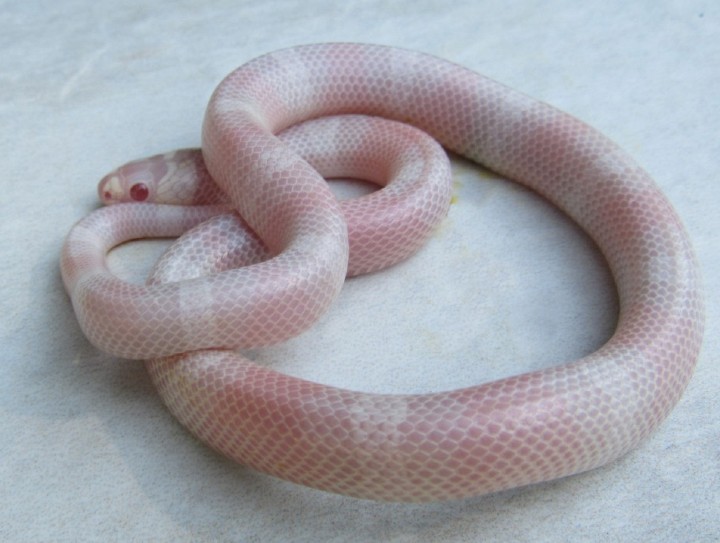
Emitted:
<point x="445" y="445"/>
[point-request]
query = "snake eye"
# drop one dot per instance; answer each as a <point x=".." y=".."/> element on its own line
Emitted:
<point x="139" y="192"/>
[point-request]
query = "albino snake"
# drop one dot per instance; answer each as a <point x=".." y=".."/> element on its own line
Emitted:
<point x="516" y="431"/>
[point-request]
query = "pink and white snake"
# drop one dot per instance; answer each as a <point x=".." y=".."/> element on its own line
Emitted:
<point x="516" y="431"/>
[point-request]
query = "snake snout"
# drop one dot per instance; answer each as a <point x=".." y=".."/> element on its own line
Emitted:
<point x="109" y="189"/>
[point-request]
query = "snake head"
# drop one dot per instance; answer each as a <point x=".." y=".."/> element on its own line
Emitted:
<point x="136" y="181"/>
<point x="179" y="177"/>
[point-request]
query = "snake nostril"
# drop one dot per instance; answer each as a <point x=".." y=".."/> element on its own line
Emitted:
<point x="139" y="192"/>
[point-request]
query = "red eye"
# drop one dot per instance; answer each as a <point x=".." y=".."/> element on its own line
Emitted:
<point x="139" y="192"/>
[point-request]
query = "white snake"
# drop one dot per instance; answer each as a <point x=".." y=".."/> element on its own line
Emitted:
<point x="516" y="431"/>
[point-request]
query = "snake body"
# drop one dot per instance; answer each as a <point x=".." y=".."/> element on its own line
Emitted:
<point x="516" y="431"/>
